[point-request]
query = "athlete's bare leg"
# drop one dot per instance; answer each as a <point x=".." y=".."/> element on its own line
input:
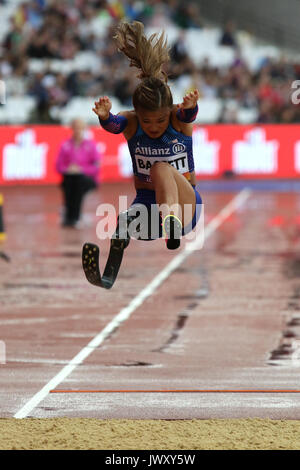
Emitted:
<point x="173" y="192"/>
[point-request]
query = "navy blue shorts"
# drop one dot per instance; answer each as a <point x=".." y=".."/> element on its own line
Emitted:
<point x="146" y="198"/>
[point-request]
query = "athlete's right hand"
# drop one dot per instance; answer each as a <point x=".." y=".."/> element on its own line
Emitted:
<point x="102" y="107"/>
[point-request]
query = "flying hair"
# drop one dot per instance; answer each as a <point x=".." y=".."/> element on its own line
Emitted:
<point x="146" y="54"/>
<point x="149" y="55"/>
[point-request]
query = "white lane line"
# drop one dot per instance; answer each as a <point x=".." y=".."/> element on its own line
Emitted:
<point x="125" y="313"/>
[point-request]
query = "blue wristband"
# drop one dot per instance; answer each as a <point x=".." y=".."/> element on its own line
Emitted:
<point x="114" y="124"/>
<point x="187" y="115"/>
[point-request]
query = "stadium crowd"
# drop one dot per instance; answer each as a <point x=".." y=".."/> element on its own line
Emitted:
<point x="60" y="29"/>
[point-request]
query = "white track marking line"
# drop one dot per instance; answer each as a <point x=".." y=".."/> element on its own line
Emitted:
<point x="125" y="313"/>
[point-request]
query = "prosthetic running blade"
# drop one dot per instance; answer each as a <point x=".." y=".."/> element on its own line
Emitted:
<point x="90" y="263"/>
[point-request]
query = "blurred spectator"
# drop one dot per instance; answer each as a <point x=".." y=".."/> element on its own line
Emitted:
<point x="13" y="39"/>
<point x="187" y="15"/>
<point x="34" y="13"/>
<point x="39" y="90"/>
<point x="181" y="61"/>
<point x="17" y="85"/>
<point x="78" y="162"/>
<point x="160" y="17"/>
<point x="266" y="114"/>
<point x="179" y="52"/>
<point x="229" y="113"/>
<point x="228" y="35"/>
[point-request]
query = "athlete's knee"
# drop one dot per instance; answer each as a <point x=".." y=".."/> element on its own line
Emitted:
<point x="159" y="168"/>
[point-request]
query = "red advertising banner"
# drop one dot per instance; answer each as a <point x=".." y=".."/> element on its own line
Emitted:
<point x="28" y="153"/>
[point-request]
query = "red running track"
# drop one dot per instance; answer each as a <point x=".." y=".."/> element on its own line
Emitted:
<point x="226" y="318"/>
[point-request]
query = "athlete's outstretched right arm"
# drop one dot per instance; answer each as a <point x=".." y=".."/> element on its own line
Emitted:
<point x="110" y="122"/>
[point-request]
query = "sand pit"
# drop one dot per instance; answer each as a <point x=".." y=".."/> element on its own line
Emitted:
<point x="77" y="433"/>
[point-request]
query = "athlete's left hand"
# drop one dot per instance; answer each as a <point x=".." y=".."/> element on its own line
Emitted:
<point x="189" y="100"/>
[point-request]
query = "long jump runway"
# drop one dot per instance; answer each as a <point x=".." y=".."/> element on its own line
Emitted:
<point x="214" y="335"/>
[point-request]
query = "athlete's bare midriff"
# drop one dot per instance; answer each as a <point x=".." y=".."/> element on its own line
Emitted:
<point x="139" y="184"/>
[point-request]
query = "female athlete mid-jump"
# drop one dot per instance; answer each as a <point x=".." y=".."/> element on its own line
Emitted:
<point x="159" y="137"/>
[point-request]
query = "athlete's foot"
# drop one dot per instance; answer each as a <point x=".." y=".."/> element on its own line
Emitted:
<point x="172" y="230"/>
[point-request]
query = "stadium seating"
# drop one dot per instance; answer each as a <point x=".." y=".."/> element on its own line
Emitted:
<point x="203" y="44"/>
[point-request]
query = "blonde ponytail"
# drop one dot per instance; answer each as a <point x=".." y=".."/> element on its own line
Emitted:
<point x="149" y="55"/>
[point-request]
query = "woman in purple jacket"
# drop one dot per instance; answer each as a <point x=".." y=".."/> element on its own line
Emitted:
<point x="78" y="161"/>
